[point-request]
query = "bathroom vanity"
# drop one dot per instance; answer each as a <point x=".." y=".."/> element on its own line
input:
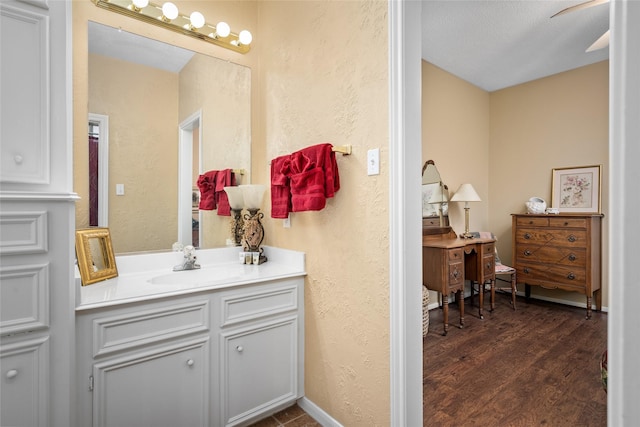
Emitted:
<point x="218" y="346"/>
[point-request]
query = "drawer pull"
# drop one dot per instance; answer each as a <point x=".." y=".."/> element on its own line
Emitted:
<point x="572" y="257"/>
<point x="190" y="362"/>
<point x="455" y="273"/>
<point x="571" y="276"/>
<point x="489" y="266"/>
<point x="572" y="238"/>
<point x="527" y="236"/>
<point x="527" y="252"/>
<point x="239" y="349"/>
<point x="526" y="270"/>
<point x="12" y="373"/>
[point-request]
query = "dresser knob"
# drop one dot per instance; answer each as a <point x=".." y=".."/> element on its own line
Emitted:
<point x="572" y="238"/>
<point x="527" y="252"/>
<point x="12" y="373"/>
<point x="526" y="270"/>
<point x="571" y="276"/>
<point x="18" y="159"/>
<point x="239" y="349"/>
<point x="572" y="257"/>
<point x="190" y="362"/>
<point x="527" y="236"/>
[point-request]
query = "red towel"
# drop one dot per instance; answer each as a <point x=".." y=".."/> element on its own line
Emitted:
<point x="207" y="186"/>
<point x="280" y="191"/>
<point x="225" y="178"/>
<point x="314" y="177"/>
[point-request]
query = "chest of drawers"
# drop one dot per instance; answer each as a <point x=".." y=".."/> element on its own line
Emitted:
<point x="559" y="252"/>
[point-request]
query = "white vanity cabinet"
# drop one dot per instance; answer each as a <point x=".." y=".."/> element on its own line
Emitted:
<point x="260" y="350"/>
<point x="218" y="357"/>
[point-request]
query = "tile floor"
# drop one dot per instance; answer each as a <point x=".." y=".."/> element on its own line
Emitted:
<point x="292" y="416"/>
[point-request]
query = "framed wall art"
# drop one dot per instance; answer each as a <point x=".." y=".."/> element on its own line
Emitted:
<point x="576" y="189"/>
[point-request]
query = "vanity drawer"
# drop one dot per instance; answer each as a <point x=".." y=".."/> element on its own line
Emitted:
<point x="123" y="332"/>
<point x="253" y="304"/>
<point x="533" y="221"/>
<point x="456" y="275"/>
<point x="456" y="254"/>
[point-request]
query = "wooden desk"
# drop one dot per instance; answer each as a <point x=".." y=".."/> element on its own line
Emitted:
<point x="448" y="262"/>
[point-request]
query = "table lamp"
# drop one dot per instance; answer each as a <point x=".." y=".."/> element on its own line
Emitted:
<point x="236" y="203"/>
<point x="466" y="193"/>
<point x="253" y="229"/>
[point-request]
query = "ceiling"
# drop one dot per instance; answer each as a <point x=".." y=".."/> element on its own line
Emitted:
<point x="114" y="43"/>
<point x="501" y="43"/>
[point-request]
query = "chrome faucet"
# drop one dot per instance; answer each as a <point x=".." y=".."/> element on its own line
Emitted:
<point x="189" y="260"/>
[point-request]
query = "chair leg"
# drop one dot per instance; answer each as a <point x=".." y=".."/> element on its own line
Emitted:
<point x="513" y="290"/>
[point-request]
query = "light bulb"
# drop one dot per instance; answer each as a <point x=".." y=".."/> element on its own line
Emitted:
<point x="169" y="11"/>
<point x="222" y="29"/>
<point x="245" y="37"/>
<point x="140" y="4"/>
<point x="197" y="20"/>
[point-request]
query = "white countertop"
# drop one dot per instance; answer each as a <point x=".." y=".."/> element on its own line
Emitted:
<point x="143" y="277"/>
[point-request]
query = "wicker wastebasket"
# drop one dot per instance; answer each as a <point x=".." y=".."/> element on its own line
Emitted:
<point x="425" y="311"/>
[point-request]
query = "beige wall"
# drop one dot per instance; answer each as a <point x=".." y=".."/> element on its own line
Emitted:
<point x="324" y="79"/>
<point x="143" y="134"/>
<point x="507" y="142"/>
<point x="558" y="121"/>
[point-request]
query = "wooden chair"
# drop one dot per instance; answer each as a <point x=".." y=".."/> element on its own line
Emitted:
<point x="504" y="274"/>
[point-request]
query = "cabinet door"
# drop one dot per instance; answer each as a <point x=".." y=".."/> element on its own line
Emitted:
<point x="24" y="384"/>
<point x="168" y="387"/>
<point x="259" y="369"/>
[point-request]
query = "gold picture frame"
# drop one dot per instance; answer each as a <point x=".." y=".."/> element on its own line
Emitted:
<point x="576" y="189"/>
<point x="94" y="251"/>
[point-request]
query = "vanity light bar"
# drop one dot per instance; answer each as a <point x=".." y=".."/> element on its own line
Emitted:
<point x="152" y="14"/>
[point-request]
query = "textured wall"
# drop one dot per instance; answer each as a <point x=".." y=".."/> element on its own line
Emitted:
<point x="324" y="78"/>
<point x="142" y="150"/>
<point x="221" y="90"/>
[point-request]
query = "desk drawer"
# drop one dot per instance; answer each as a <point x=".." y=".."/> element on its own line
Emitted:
<point x="456" y="273"/>
<point x="456" y="254"/>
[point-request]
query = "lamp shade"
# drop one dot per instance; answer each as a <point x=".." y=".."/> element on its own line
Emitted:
<point x="252" y="195"/>
<point x="466" y="193"/>
<point x="236" y="199"/>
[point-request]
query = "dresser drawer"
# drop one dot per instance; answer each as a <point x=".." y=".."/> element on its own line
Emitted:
<point x="541" y="236"/>
<point x="533" y="221"/>
<point x="576" y="257"/>
<point x="551" y="276"/>
<point x="568" y="222"/>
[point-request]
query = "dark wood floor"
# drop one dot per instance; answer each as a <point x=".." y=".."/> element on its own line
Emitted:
<point x="538" y="365"/>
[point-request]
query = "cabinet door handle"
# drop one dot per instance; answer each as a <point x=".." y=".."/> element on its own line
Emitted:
<point x="527" y="252"/>
<point x="190" y="362"/>
<point x="572" y="257"/>
<point x="527" y="236"/>
<point x="572" y="238"/>
<point x="239" y="349"/>
<point x="12" y="373"/>
<point x="571" y="276"/>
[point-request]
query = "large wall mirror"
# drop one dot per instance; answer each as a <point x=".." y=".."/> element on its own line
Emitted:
<point x="160" y="115"/>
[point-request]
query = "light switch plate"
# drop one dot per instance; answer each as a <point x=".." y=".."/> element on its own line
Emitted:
<point x="373" y="161"/>
<point x="119" y="189"/>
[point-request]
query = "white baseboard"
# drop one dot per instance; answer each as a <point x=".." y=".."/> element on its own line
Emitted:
<point x="317" y="413"/>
